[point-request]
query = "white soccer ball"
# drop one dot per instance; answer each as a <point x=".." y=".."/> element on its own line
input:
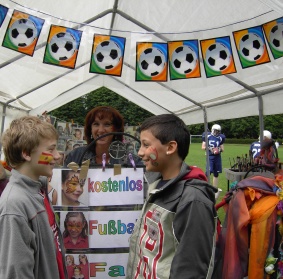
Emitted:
<point x="276" y="36"/>
<point x="107" y="55"/>
<point x="23" y="32"/>
<point x="251" y="47"/>
<point x="62" y="46"/>
<point x="152" y="61"/>
<point x="184" y="59"/>
<point x="218" y="57"/>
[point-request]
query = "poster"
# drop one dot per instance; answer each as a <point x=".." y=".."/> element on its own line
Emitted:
<point x="23" y="32"/>
<point x="107" y="55"/>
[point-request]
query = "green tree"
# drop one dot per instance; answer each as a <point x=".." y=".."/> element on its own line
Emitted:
<point x="76" y="110"/>
<point x="239" y="128"/>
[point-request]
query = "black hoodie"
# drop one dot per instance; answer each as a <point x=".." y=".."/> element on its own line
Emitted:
<point x="175" y="235"/>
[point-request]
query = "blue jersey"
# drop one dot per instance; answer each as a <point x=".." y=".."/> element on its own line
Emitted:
<point x="214" y="141"/>
<point x="255" y="149"/>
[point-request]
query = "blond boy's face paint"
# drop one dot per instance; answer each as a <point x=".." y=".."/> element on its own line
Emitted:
<point x="72" y="184"/>
<point x="45" y="158"/>
<point x="153" y="156"/>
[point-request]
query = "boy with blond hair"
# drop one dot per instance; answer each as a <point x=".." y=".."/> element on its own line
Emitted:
<point x="31" y="245"/>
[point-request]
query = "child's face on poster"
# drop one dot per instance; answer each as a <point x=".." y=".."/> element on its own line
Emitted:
<point x="75" y="226"/>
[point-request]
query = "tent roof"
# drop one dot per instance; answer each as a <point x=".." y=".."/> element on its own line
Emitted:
<point x="28" y="84"/>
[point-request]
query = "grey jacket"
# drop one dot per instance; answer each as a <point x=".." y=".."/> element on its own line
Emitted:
<point x="27" y="247"/>
<point x="176" y="232"/>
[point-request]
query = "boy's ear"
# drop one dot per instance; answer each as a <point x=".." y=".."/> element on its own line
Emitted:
<point x="172" y="147"/>
<point x="26" y="156"/>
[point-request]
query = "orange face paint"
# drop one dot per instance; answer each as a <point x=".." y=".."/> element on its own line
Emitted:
<point x="45" y="158"/>
<point x="72" y="184"/>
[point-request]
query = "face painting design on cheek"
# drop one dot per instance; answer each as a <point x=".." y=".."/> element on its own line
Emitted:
<point x="72" y="184"/>
<point x="75" y="226"/>
<point x="153" y="156"/>
<point x="45" y="158"/>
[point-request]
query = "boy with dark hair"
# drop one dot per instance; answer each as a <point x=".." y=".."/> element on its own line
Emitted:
<point x="31" y="245"/>
<point x="175" y="236"/>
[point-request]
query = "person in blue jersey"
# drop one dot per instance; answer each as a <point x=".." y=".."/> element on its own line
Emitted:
<point x="215" y="147"/>
<point x="255" y="146"/>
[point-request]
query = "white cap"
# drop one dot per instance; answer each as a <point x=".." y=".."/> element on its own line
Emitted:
<point x="266" y="134"/>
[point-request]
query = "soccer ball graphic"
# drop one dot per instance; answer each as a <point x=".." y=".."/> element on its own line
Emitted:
<point x="107" y="55"/>
<point x="251" y="47"/>
<point x="62" y="46"/>
<point x="218" y="57"/>
<point x="23" y="32"/>
<point x="184" y="59"/>
<point x="276" y="36"/>
<point x="152" y="61"/>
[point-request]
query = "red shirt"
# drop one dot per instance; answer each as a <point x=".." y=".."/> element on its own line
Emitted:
<point x="85" y="270"/>
<point x="55" y="229"/>
<point x="70" y="270"/>
<point x="81" y="243"/>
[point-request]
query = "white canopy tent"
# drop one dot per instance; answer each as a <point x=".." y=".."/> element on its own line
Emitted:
<point x="29" y="86"/>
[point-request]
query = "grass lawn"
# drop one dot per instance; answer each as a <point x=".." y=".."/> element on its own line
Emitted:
<point x="197" y="158"/>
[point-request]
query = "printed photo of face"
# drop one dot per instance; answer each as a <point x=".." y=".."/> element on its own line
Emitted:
<point x="75" y="232"/>
<point x="72" y="188"/>
<point x="75" y="226"/>
<point x="78" y="134"/>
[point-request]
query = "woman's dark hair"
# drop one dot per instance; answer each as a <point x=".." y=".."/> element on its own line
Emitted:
<point x="104" y="112"/>
<point x="76" y="214"/>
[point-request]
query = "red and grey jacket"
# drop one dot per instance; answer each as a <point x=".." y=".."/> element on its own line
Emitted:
<point x="175" y="234"/>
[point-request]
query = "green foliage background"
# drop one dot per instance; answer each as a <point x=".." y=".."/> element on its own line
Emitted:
<point x="77" y="109"/>
<point x="240" y="130"/>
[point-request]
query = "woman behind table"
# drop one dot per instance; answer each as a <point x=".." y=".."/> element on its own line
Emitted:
<point x="99" y="121"/>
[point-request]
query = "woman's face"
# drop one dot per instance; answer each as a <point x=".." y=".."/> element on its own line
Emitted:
<point x="69" y="260"/>
<point x="75" y="226"/>
<point x="71" y="189"/>
<point x="82" y="259"/>
<point x="101" y="127"/>
<point x="78" y="134"/>
<point x="70" y="145"/>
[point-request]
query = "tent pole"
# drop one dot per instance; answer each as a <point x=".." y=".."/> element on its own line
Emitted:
<point x="206" y="144"/>
<point x="2" y="125"/>
<point x="261" y="121"/>
<point x="260" y="102"/>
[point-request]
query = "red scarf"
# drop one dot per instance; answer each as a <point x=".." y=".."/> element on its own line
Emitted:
<point x="55" y="230"/>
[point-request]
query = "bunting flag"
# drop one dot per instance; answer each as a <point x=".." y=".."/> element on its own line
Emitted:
<point x="251" y="47"/>
<point x="151" y="61"/>
<point x="217" y="56"/>
<point x="184" y="59"/>
<point x="23" y="32"/>
<point x="274" y="34"/>
<point x="107" y="55"/>
<point x="3" y="13"/>
<point x="62" y="46"/>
